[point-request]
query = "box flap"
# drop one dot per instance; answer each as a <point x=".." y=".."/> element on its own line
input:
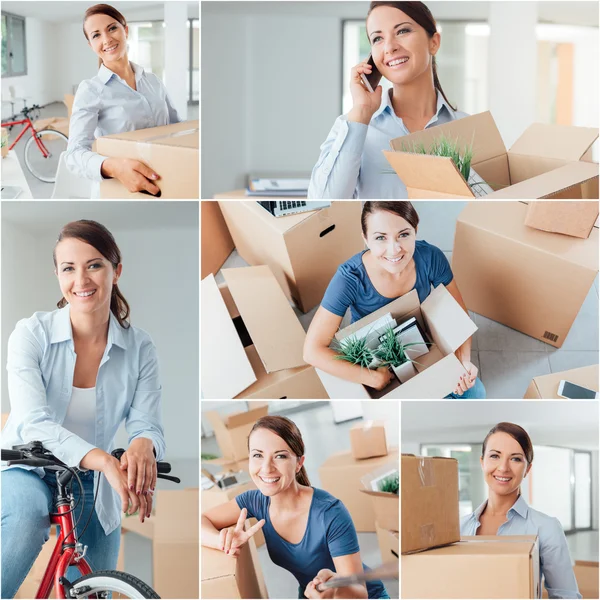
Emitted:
<point x="185" y="134"/>
<point x="248" y="416"/>
<point x="430" y="173"/>
<point x="273" y="326"/>
<point x="381" y="494"/>
<point x="226" y="370"/>
<point x="448" y="323"/>
<point x="555" y="141"/>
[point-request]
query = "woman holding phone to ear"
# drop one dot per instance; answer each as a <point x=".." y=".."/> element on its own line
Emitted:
<point x="307" y="531"/>
<point x="506" y="459"/>
<point x="404" y="41"/>
<point x="121" y="97"/>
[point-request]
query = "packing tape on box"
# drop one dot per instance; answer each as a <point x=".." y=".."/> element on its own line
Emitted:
<point x="427" y="534"/>
<point x="426" y="472"/>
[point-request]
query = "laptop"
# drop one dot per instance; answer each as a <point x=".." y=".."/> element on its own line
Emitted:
<point x="283" y="208"/>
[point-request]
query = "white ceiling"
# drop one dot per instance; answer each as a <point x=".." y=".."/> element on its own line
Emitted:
<point x="40" y="216"/>
<point x="73" y="11"/>
<point x="567" y="423"/>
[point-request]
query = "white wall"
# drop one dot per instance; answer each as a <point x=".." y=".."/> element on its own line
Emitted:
<point x="160" y="282"/>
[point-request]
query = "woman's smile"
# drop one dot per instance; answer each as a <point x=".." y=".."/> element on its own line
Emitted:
<point x="111" y="49"/>
<point x="85" y="294"/>
<point x="396" y="63"/>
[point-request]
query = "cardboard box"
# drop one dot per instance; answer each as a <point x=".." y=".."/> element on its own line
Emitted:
<point x="232" y="577"/>
<point x="172" y="151"/>
<point x="68" y="100"/>
<point x="341" y="476"/>
<point x="569" y="218"/>
<point x="56" y="123"/>
<point x="303" y="251"/>
<point x="429" y="491"/>
<point x="232" y="431"/>
<point x="546" y="386"/>
<point x="367" y="439"/>
<point x="530" y="280"/>
<point x="252" y="341"/>
<point x="586" y="573"/>
<point x="547" y="161"/>
<point x="215" y="240"/>
<point x="4" y="144"/>
<point x="438" y="371"/>
<point x="386" y="507"/>
<point x="469" y="569"/>
<point x="389" y="544"/>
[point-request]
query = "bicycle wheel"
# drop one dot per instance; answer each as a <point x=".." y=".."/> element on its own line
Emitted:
<point x="111" y="584"/>
<point x="42" y="168"/>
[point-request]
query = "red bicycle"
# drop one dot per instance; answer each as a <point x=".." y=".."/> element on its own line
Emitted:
<point x="43" y="148"/>
<point x="68" y="551"/>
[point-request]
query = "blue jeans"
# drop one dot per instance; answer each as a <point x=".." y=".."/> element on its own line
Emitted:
<point x="27" y="501"/>
<point x="477" y="392"/>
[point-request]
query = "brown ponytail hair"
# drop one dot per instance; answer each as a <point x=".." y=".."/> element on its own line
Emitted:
<point x="420" y="14"/>
<point x="288" y="431"/>
<point x="103" y="9"/>
<point x="101" y="239"/>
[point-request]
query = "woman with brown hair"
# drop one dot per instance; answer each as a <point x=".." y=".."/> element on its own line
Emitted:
<point x="121" y="97"/>
<point x="404" y="42"/>
<point x="506" y="459"/>
<point x="74" y="375"/>
<point x="307" y="531"/>
<point x="394" y="264"/>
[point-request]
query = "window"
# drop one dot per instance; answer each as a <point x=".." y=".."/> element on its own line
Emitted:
<point x="14" y="56"/>
<point x="194" y="80"/>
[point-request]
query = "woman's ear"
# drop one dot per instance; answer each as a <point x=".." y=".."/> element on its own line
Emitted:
<point x="527" y="470"/>
<point x="434" y="43"/>
<point x="118" y="272"/>
<point x="300" y="464"/>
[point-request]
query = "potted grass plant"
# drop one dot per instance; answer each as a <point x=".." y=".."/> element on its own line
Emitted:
<point x="356" y="351"/>
<point x="390" y="484"/>
<point x="392" y="353"/>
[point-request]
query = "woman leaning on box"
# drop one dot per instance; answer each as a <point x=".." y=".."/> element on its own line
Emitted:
<point x="307" y="531"/>
<point x="394" y="264"/>
<point x="121" y="97"/>
<point x="351" y="163"/>
<point x="506" y="458"/>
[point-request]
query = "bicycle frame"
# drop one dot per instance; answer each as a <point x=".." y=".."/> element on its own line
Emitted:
<point x="64" y="553"/>
<point x="27" y="122"/>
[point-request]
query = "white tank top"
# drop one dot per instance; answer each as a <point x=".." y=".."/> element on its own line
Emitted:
<point x="81" y="414"/>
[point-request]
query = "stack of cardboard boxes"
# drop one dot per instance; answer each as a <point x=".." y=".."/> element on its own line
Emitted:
<point x="431" y="543"/>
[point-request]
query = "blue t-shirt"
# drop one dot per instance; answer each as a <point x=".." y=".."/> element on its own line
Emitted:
<point x="352" y="287"/>
<point x="329" y="533"/>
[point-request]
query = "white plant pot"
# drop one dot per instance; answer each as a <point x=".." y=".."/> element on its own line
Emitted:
<point x="375" y="364"/>
<point x="405" y="371"/>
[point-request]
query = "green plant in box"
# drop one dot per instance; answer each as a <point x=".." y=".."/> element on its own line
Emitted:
<point x="390" y="484"/>
<point x="392" y="351"/>
<point x="355" y="351"/>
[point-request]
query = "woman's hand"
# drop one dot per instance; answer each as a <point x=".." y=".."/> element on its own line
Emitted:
<point x="364" y="102"/>
<point x="322" y="576"/>
<point x="466" y="381"/>
<point x="379" y="378"/>
<point x="231" y="539"/>
<point x="140" y="464"/>
<point x="133" y="174"/>
<point x="117" y="478"/>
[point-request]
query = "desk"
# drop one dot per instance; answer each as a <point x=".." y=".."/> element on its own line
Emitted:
<point x="12" y="174"/>
<point x="239" y="194"/>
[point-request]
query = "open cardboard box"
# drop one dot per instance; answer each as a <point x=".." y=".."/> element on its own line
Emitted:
<point x="530" y="280"/>
<point x="303" y="250"/>
<point x="215" y="239"/>
<point x="469" y="569"/>
<point x="438" y="371"/>
<point x="546" y="386"/>
<point x="386" y="507"/>
<point x="389" y="544"/>
<point x="172" y="151"/>
<point x="570" y="217"/>
<point x="547" y="161"/>
<point x="252" y="341"/>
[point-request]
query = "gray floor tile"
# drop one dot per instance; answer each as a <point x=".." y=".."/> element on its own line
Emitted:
<point x="583" y="545"/>
<point x="506" y="374"/>
<point x="563" y="360"/>
<point x="233" y="261"/>
<point x="584" y="331"/>
<point x="493" y="336"/>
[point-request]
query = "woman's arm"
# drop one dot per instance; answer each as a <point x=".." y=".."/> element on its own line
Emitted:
<point x="349" y="564"/>
<point x="555" y="562"/>
<point x="318" y="353"/>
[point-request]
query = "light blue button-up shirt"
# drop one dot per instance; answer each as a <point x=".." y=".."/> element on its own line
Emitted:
<point x="352" y="163"/>
<point x="555" y="561"/>
<point x="105" y="105"/>
<point x="41" y="364"/>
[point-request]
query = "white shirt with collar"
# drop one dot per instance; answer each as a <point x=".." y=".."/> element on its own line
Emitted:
<point x="352" y="164"/>
<point x="105" y="105"/>
<point x="41" y="364"/>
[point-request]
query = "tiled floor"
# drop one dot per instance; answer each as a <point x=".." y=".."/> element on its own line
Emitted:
<point x="507" y="359"/>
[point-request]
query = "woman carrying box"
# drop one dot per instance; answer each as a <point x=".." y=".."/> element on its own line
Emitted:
<point x="307" y="531"/>
<point x="404" y="41"/>
<point x="506" y="459"/>
<point x="74" y="375"/>
<point x="394" y="264"/>
<point x="121" y="97"/>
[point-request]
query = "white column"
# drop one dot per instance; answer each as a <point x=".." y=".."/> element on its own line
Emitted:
<point x="177" y="54"/>
<point x="512" y="67"/>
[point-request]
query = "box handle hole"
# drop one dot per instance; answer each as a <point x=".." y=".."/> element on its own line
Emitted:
<point x="326" y="231"/>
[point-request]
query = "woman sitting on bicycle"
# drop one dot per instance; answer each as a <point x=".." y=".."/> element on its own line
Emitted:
<point x="307" y="531"/>
<point x="121" y="97"/>
<point x="74" y="375"/>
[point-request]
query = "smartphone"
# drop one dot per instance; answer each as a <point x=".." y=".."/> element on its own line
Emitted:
<point x="372" y="80"/>
<point x="566" y="389"/>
